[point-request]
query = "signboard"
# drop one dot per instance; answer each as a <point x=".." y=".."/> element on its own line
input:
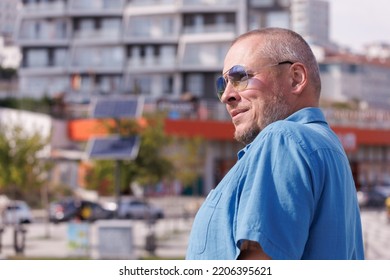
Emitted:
<point x="78" y="238"/>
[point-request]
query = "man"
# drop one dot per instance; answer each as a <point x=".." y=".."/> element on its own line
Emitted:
<point x="291" y="194"/>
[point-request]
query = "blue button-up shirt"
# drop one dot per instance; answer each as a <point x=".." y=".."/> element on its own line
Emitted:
<point x="291" y="190"/>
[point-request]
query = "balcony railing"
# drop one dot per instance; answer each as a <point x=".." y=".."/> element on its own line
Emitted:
<point x="96" y="5"/>
<point x="152" y="2"/>
<point x="112" y="34"/>
<point x="152" y="63"/>
<point x="212" y="28"/>
<point x="217" y="3"/>
<point x="44" y="8"/>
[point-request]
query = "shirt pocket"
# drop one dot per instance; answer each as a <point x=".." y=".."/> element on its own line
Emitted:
<point x="202" y="222"/>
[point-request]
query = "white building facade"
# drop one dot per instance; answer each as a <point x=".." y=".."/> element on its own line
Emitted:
<point x="310" y="18"/>
<point x="356" y="78"/>
<point x="87" y="48"/>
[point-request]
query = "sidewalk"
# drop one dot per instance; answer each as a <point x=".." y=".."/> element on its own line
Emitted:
<point x="51" y="241"/>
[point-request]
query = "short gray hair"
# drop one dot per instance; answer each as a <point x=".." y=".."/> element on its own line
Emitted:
<point x="286" y="45"/>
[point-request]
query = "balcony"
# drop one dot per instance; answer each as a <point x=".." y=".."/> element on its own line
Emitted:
<point x="96" y="7"/>
<point x="207" y="56"/>
<point x="210" y="5"/>
<point x="150" y="7"/>
<point x="43" y="33"/>
<point x="152" y="29"/>
<point x="152" y="2"/>
<point x="97" y="60"/>
<point x="43" y="67"/>
<point x="270" y="4"/>
<point x="104" y="36"/>
<point x="151" y="64"/>
<point x="44" y="9"/>
<point x="210" y="28"/>
<point x="44" y="86"/>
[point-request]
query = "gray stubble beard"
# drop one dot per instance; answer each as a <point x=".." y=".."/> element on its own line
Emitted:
<point x="279" y="110"/>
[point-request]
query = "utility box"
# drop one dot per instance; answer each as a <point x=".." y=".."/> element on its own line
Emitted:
<point x="115" y="239"/>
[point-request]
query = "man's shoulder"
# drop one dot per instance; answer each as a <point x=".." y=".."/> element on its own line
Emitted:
<point x="289" y="129"/>
<point x="308" y="136"/>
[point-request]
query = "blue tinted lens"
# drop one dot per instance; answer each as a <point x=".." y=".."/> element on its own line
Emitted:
<point x="237" y="74"/>
<point x="221" y="86"/>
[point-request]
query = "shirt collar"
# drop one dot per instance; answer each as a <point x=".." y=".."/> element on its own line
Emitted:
<point x="307" y="115"/>
<point x="303" y="116"/>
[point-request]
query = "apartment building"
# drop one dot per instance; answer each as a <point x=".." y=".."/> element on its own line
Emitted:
<point x="157" y="48"/>
<point x="310" y="18"/>
<point x="365" y="80"/>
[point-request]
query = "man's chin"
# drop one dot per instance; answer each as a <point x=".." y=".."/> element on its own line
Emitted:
<point x="246" y="136"/>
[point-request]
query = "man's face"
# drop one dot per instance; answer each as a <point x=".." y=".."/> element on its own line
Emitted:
<point x="263" y="101"/>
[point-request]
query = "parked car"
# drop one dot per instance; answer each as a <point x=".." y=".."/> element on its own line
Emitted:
<point x="17" y="212"/>
<point x="138" y="209"/>
<point x="371" y="198"/>
<point x="73" y="209"/>
<point x="383" y="188"/>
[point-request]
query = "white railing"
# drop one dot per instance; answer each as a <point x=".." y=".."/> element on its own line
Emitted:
<point x="212" y="28"/>
<point x="98" y="34"/>
<point x="152" y="62"/>
<point x="218" y="3"/>
<point x="152" y="2"/>
<point x="93" y="5"/>
<point x="44" y="7"/>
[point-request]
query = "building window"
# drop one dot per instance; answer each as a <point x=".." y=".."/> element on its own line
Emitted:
<point x="167" y="84"/>
<point x="37" y="58"/>
<point x="194" y="84"/>
<point x="140" y="85"/>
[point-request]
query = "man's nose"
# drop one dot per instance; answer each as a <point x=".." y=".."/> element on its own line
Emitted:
<point x="230" y="94"/>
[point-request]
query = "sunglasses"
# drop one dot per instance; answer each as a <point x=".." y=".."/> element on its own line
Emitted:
<point x="238" y="76"/>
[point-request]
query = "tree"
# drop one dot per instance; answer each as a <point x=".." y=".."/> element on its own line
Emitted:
<point x="8" y="74"/>
<point x="21" y="170"/>
<point x="187" y="156"/>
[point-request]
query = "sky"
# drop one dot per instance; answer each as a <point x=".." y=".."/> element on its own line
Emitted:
<point x="354" y="23"/>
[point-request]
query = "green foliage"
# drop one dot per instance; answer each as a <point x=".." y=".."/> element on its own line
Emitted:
<point x="101" y="177"/>
<point x="42" y="105"/>
<point x="187" y="155"/>
<point x="149" y="167"/>
<point x="7" y="73"/>
<point x="21" y="171"/>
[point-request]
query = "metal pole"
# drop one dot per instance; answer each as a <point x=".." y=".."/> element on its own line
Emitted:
<point x="117" y="186"/>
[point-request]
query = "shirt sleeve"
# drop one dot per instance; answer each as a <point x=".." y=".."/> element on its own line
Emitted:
<point x="277" y="201"/>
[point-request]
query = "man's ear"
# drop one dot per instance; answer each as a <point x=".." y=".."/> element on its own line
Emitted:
<point x="299" y="77"/>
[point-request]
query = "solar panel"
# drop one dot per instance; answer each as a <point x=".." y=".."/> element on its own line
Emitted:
<point x="117" y="107"/>
<point x="113" y="147"/>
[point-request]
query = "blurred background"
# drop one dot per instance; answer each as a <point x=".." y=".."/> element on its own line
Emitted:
<point x="110" y="128"/>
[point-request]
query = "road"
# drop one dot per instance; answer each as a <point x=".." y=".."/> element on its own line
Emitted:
<point x="51" y="241"/>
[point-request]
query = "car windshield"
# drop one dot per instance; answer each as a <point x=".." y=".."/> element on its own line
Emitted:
<point x="13" y="207"/>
